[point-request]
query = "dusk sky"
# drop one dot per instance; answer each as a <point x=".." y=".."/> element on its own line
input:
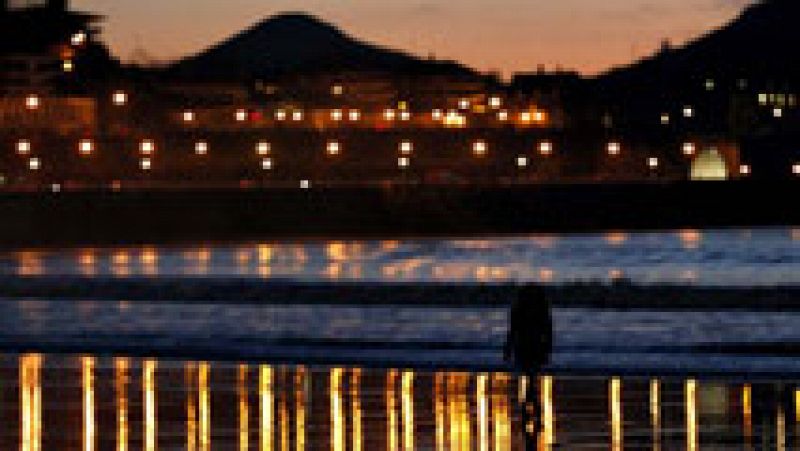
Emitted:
<point x="506" y="35"/>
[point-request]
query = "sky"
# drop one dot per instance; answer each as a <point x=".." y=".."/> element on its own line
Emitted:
<point x="508" y="36"/>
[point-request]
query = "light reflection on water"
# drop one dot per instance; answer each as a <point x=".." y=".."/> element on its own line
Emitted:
<point x="123" y="403"/>
<point x="712" y="257"/>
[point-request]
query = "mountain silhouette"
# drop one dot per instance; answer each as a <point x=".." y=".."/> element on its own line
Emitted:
<point x="294" y="43"/>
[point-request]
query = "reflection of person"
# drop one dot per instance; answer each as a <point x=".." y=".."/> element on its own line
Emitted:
<point x="528" y="348"/>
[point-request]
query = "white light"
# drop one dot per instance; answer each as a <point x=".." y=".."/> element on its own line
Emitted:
<point x="280" y="115"/>
<point x="68" y="66"/>
<point x="652" y="162"/>
<point x="796" y="169"/>
<point x="34" y="164"/>
<point x="354" y="115"/>
<point x="147" y="147"/>
<point x="189" y="116"/>
<point x="689" y="149"/>
<point x="479" y="148"/>
<point x="463" y="104"/>
<point x="337" y="90"/>
<point x="763" y="99"/>
<point x="78" y="38"/>
<point x="744" y="169"/>
<point x="85" y="147"/>
<point x="665" y="119"/>
<point x="525" y="117"/>
<point x="336" y="115"/>
<point x="406" y="147"/>
<point x="32" y="102"/>
<point x="297" y="116"/>
<point x="777" y="112"/>
<point x="55" y="187"/>
<point x="495" y="102"/>
<point x="334" y="148"/>
<point x="388" y="114"/>
<point x="539" y="116"/>
<point x="403" y="162"/>
<point x="436" y="115"/>
<point x="405" y="115"/>
<point x="545" y="147"/>
<point x="201" y="148"/>
<point x="688" y="112"/>
<point x="614" y="148"/>
<point x="266" y="164"/>
<point x="710" y="84"/>
<point x="241" y="115"/>
<point x="146" y="164"/>
<point x="263" y="148"/>
<point x="305" y="184"/>
<point x="522" y="161"/>
<point x="119" y="98"/>
<point x="23" y="147"/>
<point x="502" y="116"/>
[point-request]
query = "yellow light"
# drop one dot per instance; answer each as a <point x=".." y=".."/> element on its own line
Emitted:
<point x="495" y="102"/>
<point x="68" y="66"/>
<point x="405" y="115"/>
<point x="266" y="164"/>
<point x="280" y="115"/>
<point x="502" y="116"/>
<point x="34" y="164"/>
<point x="463" y="104"/>
<point x="297" y="116"/>
<point x="689" y="149"/>
<point x="539" y="116"/>
<point x="454" y="119"/>
<point x="545" y="148"/>
<point x="336" y="115"/>
<point x="146" y="164"/>
<point x="744" y="169"/>
<point x="796" y="169"/>
<point x="522" y="161"/>
<point x="334" y="148"/>
<point x="652" y="162"/>
<point x="403" y="162"/>
<point x="436" y="115"/>
<point x="305" y="184"/>
<point x="201" y="148"/>
<point x="479" y="148"/>
<point x="240" y="115"/>
<point x="23" y="147"/>
<point x="688" y="112"/>
<point x="78" y="38"/>
<point x="665" y="119"/>
<point x="614" y="148"/>
<point x="402" y="105"/>
<point x="189" y="116"/>
<point x="337" y="90"/>
<point x="354" y="115"/>
<point x="119" y="98"/>
<point x="406" y="147"/>
<point x="388" y="114"/>
<point x="147" y="147"/>
<point x="777" y="112"/>
<point x="263" y="148"/>
<point x="85" y="146"/>
<point x="32" y="102"/>
<point x="525" y="117"/>
<point x="763" y="99"/>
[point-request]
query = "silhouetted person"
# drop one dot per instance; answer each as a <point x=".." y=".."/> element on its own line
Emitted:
<point x="528" y="348"/>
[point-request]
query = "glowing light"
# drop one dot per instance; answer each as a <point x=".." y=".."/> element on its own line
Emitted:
<point x="688" y="112"/>
<point x="614" y="148"/>
<point x="354" y="115"/>
<point x="334" y="148"/>
<point x="403" y="162"/>
<point x="33" y="102"/>
<point x="121" y="380"/>
<point x="240" y="115"/>
<point x="297" y="116"/>
<point x="689" y="149"/>
<point x="406" y="147"/>
<point x="744" y="169"/>
<point x="539" y="116"/>
<point x="495" y="102"/>
<point x="30" y="385"/>
<point x="545" y="148"/>
<point x="147" y="147"/>
<point x="405" y="116"/>
<point x="263" y="148"/>
<point x="616" y="414"/>
<point x="336" y="115"/>
<point x="150" y="405"/>
<point x="763" y="99"/>
<point x="78" y="38"/>
<point x="266" y="164"/>
<point x="525" y="117"/>
<point x="119" y="98"/>
<point x="23" y="147"/>
<point x="337" y="90"/>
<point x="189" y="116"/>
<point x="201" y="148"/>
<point x="522" y="162"/>
<point x="280" y="115"/>
<point x="146" y="164"/>
<point x="710" y="84"/>
<point x="68" y="66"/>
<point x="407" y="408"/>
<point x="652" y="162"/>
<point x="463" y="104"/>
<point x="454" y="119"/>
<point x="502" y="116"/>
<point x="34" y="164"/>
<point x="389" y="114"/>
<point x="89" y="425"/>
<point x="437" y="115"/>
<point x="777" y="112"/>
<point x="692" y="432"/>
<point x="85" y="146"/>
<point x="266" y="397"/>
<point x="305" y="184"/>
<point x="796" y="169"/>
<point x="337" y="411"/>
<point x="665" y="119"/>
<point x="479" y="148"/>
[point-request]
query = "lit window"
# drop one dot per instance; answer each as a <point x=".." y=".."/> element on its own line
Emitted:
<point x="32" y="102"/>
<point x="545" y="148"/>
<point x="744" y="169"/>
<point x="334" y="148"/>
<point x="710" y="84"/>
<point x="525" y="117"/>
<point x="403" y="162"/>
<point x="388" y="114"/>
<point x="146" y="164"/>
<point x="479" y="148"/>
<point x="436" y="115"/>
<point x="539" y="116"/>
<point x="263" y="148"/>
<point x="34" y="164"/>
<point x="280" y="115"/>
<point x="119" y="98"/>
<point x="652" y="162"/>
<point x="305" y="184"/>
<point x="336" y="115"/>
<point x="402" y="105"/>
<point x="495" y="102"/>
<point x="337" y="90"/>
<point x="688" y="112"/>
<point x="297" y="116"/>
<point x="147" y="147"/>
<point x="796" y="169"/>
<point x="189" y="116"/>
<point x="240" y="115"/>
<point x="689" y="149"/>
<point x="354" y="115"/>
<point x="522" y="161"/>
<point x="463" y="104"/>
<point x="406" y="147"/>
<point x="68" y="66"/>
<point x="78" y="38"/>
<point x="665" y="119"/>
<point x="454" y="119"/>
<point x="777" y="112"/>
<point x="763" y="99"/>
<point x="55" y="187"/>
<point x="614" y="148"/>
<point x="85" y="147"/>
<point x="405" y="115"/>
<point x="201" y="148"/>
<point x="266" y="164"/>
<point x="502" y="116"/>
<point x="23" y="147"/>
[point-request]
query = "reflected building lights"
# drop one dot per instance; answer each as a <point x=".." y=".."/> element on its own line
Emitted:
<point x="89" y="425"/>
<point x="150" y="407"/>
<point x="691" y="415"/>
<point x="747" y="414"/>
<point x="301" y="379"/>
<point x="391" y="411"/>
<point x="407" y="406"/>
<point x="30" y="386"/>
<point x="501" y="412"/>
<point x="244" y="409"/>
<point x="616" y="414"/>
<point x="191" y="408"/>
<point x="337" y="411"/>
<point x="483" y="412"/>
<point x="266" y="407"/>
<point x="121" y="381"/>
<point x="204" y="404"/>
<point x="655" y="413"/>
<point x="355" y="403"/>
<point x="548" y="413"/>
<point x="439" y="409"/>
